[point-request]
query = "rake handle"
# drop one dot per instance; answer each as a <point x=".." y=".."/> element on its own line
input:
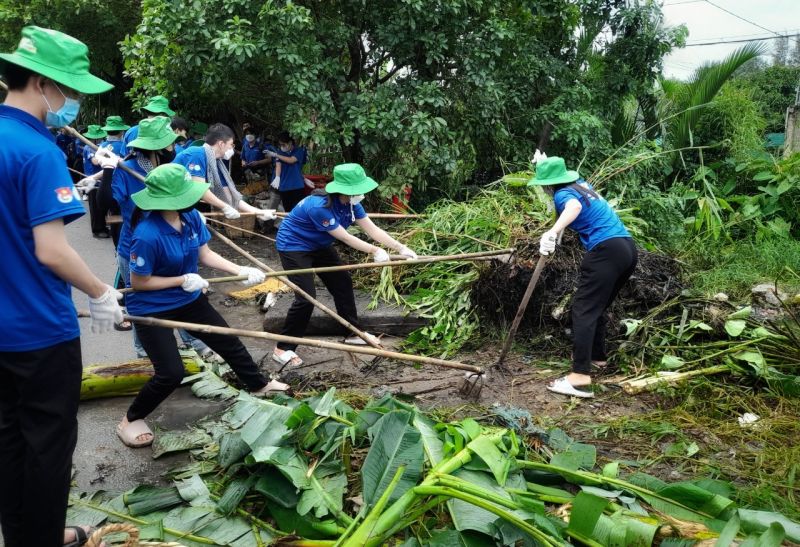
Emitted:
<point x="211" y="280"/>
<point x="72" y="131"/>
<point x="523" y="305"/>
<point x="385" y="216"/>
<point x="228" y="331"/>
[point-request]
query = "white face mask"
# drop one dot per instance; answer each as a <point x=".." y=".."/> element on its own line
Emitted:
<point x="228" y="154"/>
<point x="355" y="200"/>
<point x="250" y="138"/>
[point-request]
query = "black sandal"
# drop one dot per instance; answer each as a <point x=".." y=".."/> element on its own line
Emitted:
<point x="81" y="537"/>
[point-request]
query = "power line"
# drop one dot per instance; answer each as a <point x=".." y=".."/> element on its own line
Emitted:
<point x="755" y="35"/>
<point x="734" y="41"/>
<point x="683" y="2"/>
<point x="742" y="18"/>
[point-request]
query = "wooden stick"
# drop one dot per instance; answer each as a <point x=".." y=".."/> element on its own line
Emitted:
<point x="211" y="280"/>
<point x="93" y="146"/>
<point x="344" y="322"/>
<point x="155" y="322"/>
<point x="231" y="226"/>
<point x="384" y="216"/>
<point x="391" y="264"/>
<point x="521" y="310"/>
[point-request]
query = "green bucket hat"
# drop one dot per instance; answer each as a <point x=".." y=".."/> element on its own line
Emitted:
<point x="169" y="187"/>
<point x="115" y="123"/>
<point x="95" y="132"/>
<point x="552" y="171"/>
<point x="199" y="128"/>
<point x="57" y="56"/>
<point x="351" y="180"/>
<point x="198" y="142"/>
<point x="154" y="134"/>
<point x="159" y="105"/>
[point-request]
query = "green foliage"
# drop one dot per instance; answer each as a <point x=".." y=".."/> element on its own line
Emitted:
<point x="774" y="91"/>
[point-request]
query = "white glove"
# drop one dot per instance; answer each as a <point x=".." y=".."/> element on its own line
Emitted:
<point x="405" y="251"/>
<point x="309" y="183"/>
<point x="193" y="282"/>
<point x="107" y="158"/>
<point x="276" y="183"/>
<point x="254" y="276"/>
<point x="105" y="310"/>
<point x="547" y="244"/>
<point x="266" y="214"/>
<point x="87" y="185"/>
<point x="230" y="213"/>
<point x="538" y="156"/>
<point x="271" y="154"/>
<point x="380" y="256"/>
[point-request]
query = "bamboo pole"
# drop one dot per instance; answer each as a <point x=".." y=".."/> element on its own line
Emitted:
<point x="384" y="216"/>
<point x="391" y="264"/>
<point x="72" y="131"/>
<point x="227" y="279"/>
<point x="231" y="226"/>
<point x="228" y="331"/>
<point x="341" y="320"/>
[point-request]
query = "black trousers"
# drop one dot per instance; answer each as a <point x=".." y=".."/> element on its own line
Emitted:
<point x="339" y="284"/>
<point x="604" y="270"/>
<point x="97" y="215"/>
<point x="162" y="349"/>
<point x="290" y="198"/>
<point x="39" y="394"/>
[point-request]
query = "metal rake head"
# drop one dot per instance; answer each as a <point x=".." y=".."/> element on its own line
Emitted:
<point x="472" y="385"/>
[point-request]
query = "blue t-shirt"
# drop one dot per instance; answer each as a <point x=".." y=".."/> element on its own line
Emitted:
<point x="89" y="168"/>
<point x="596" y="222"/>
<point x="36" y="309"/>
<point x="64" y="142"/>
<point x="159" y="249"/>
<point x="306" y="227"/>
<point x="78" y="145"/>
<point x="251" y="153"/>
<point x="123" y="186"/>
<point x="116" y="146"/>
<point x="195" y="161"/>
<point x="181" y="147"/>
<point x="130" y="135"/>
<point x="292" y="173"/>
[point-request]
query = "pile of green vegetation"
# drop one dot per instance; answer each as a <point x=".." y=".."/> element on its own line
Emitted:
<point x="322" y="472"/>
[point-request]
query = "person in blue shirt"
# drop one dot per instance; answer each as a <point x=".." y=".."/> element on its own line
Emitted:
<point x="88" y="185"/>
<point x="609" y="262"/>
<point x="40" y="346"/>
<point x="169" y="239"/>
<point x="305" y="240"/>
<point x="181" y="128"/>
<point x="204" y="164"/>
<point x="288" y="179"/>
<point x="115" y="127"/>
<point x="156" y="106"/>
<point x="253" y="161"/>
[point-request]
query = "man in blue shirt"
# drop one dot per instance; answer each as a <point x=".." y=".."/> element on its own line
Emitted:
<point x="40" y="351"/>
<point x="89" y="184"/>
<point x="253" y="161"/>
<point x="288" y="180"/>
<point x="156" y="106"/>
<point x="181" y="128"/>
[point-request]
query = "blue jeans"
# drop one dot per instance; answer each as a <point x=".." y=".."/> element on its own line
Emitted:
<point x="125" y="271"/>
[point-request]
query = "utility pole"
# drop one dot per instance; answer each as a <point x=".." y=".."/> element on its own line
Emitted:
<point x="792" y="130"/>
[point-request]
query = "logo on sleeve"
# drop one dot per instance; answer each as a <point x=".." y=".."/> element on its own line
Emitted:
<point x="137" y="260"/>
<point x="333" y="221"/>
<point x="64" y="194"/>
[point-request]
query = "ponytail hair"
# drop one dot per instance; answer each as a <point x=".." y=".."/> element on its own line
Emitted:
<point x="136" y="218"/>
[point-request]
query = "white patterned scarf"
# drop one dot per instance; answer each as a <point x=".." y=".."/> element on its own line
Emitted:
<point x="214" y="168"/>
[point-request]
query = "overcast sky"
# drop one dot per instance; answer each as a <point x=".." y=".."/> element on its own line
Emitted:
<point x="707" y="23"/>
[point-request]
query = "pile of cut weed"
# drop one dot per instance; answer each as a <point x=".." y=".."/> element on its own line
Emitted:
<point x="697" y="433"/>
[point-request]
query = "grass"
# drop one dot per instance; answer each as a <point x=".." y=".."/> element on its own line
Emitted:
<point x="761" y="461"/>
<point x="735" y="268"/>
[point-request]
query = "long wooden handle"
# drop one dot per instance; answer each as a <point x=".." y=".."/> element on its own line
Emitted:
<point x="341" y="320"/>
<point x="72" y="131"/>
<point x="155" y="322"/>
<point x="385" y="216"/>
<point x="211" y="280"/>
<point x="523" y="305"/>
<point x="391" y="264"/>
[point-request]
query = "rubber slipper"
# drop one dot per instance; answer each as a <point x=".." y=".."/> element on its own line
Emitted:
<point x="120" y="327"/>
<point x="273" y="388"/>
<point x="563" y="387"/>
<point x="81" y="537"/>
<point x="133" y="430"/>
<point x="284" y="358"/>
<point x="357" y="341"/>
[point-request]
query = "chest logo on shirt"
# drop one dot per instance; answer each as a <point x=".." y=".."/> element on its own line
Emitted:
<point x="64" y="194"/>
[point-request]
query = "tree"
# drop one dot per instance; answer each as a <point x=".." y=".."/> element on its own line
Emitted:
<point x="775" y="91"/>
<point x="795" y="57"/>
<point x="781" y="54"/>
<point x="418" y="91"/>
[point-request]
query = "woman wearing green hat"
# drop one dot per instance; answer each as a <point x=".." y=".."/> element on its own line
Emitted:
<point x="609" y="262"/>
<point x="156" y="106"/>
<point x="169" y="239"/>
<point x="305" y="240"/>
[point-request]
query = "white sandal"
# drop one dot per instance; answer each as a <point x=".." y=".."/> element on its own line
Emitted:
<point x="286" y="357"/>
<point x="358" y="341"/>
<point x="273" y="388"/>
<point x="563" y="387"/>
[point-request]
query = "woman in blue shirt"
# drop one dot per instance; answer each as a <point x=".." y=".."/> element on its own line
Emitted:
<point x="609" y="262"/>
<point x="305" y="240"/>
<point x="97" y="220"/>
<point x="168" y="240"/>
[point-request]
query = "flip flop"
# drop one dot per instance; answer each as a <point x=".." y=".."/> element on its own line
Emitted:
<point x="285" y="358"/>
<point x="273" y="388"/>
<point x="563" y="387"/>
<point x="356" y="341"/>
<point x="133" y="430"/>
<point x="81" y="537"/>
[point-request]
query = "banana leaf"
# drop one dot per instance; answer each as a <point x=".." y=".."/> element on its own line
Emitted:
<point x="394" y="443"/>
<point x="434" y="449"/>
<point x="454" y="538"/>
<point x="266" y="429"/>
<point x="322" y="489"/>
<point x="469" y="517"/>
<point x="232" y="449"/>
<point x="757" y="521"/>
<point x="234" y="493"/>
<point x="194" y="491"/>
<point x="208" y="385"/>
<point x="276" y="488"/>
<point x="178" y="441"/>
<point x="147" y="499"/>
